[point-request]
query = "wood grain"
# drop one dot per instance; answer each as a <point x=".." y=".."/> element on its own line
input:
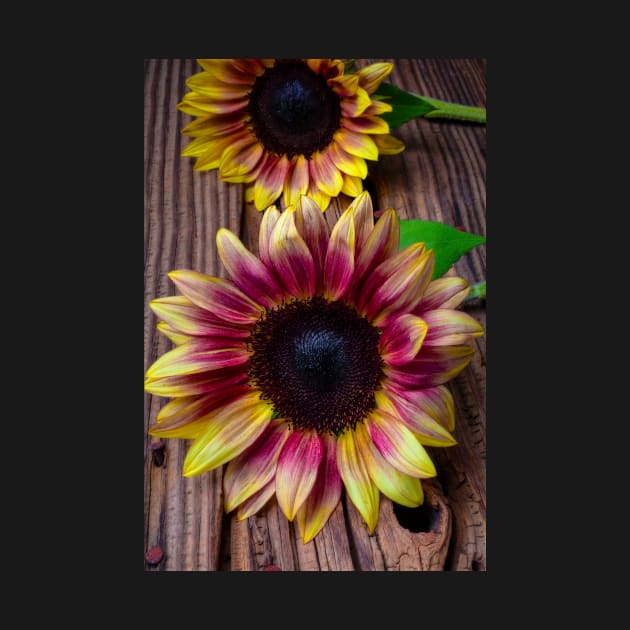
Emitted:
<point x="440" y="176"/>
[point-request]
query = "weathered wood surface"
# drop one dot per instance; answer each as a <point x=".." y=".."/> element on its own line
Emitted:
<point x="440" y="176"/>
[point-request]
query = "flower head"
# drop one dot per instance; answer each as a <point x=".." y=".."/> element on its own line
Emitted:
<point x="319" y="365"/>
<point x="287" y="127"/>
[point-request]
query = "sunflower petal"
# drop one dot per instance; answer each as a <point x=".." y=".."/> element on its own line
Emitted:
<point x="215" y="125"/>
<point x="394" y="484"/>
<point x="388" y="144"/>
<point x="184" y="316"/>
<point x="363" y="215"/>
<point x="396" y="283"/>
<point x="345" y="85"/>
<point x="211" y="158"/>
<point x="270" y="182"/>
<point x="356" y="104"/>
<point x="354" y="473"/>
<point x="378" y="107"/>
<point x="240" y="159"/>
<point x="188" y="431"/>
<point x="324" y="497"/>
<point x="189" y="416"/>
<point x="194" y="384"/>
<point x="291" y="257"/>
<point x="254" y="67"/>
<point x="312" y="227"/>
<point x="398" y="445"/>
<point x="352" y="186"/>
<point x="382" y="243"/>
<point x="319" y="197"/>
<point x="297" y="470"/>
<point x="402" y="290"/>
<point x="435" y="401"/>
<point x="433" y="365"/>
<point x="269" y="219"/>
<point x="230" y="431"/>
<point x="181" y="411"/>
<point x="373" y="75"/>
<point x="448" y="327"/>
<point x="448" y="292"/>
<point x="175" y="336"/>
<point x="324" y="174"/>
<point x="339" y="262"/>
<point x="415" y="417"/>
<point x="200" y="104"/>
<point x="357" y="144"/>
<point x="216" y="295"/>
<point x="199" y="146"/>
<point x="297" y="182"/>
<point x="203" y="355"/>
<point x="227" y="72"/>
<point x="255" y="467"/>
<point x="256" y="502"/>
<point x="348" y="164"/>
<point x="400" y="341"/>
<point x="247" y="272"/>
<point x="209" y="85"/>
<point x="365" y="124"/>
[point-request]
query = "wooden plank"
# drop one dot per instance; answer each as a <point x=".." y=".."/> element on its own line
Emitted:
<point x="440" y="176"/>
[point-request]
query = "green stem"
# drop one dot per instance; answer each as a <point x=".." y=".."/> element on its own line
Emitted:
<point x="477" y="291"/>
<point x="455" y="111"/>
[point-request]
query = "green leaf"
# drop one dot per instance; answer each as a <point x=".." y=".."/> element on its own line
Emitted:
<point x="448" y="243"/>
<point x="406" y="106"/>
<point x="477" y="291"/>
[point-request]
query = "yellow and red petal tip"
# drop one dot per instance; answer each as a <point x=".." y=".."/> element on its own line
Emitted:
<point x="445" y="292"/>
<point x="325" y="495"/>
<point x="398" y="445"/>
<point x="357" y="144"/>
<point x="339" y="261"/>
<point x="388" y="144"/>
<point x="324" y="174"/>
<point x="432" y="366"/>
<point x="230" y="430"/>
<point x="448" y="327"/>
<point x="270" y="182"/>
<point x="240" y="159"/>
<point x="353" y="470"/>
<point x="352" y="186"/>
<point x="348" y="164"/>
<point x="246" y="270"/>
<point x="398" y="486"/>
<point x="382" y="243"/>
<point x="373" y="75"/>
<point x="297" y="470"/>
<point x="216" y="295"/>
<point x="297" y="182"/>
<point x="416" y="417"/>
<point x="255" y="467"/>
<point x="291" y="257"/>
<point x="256" y="502"/>
<point x="401" y="340"/>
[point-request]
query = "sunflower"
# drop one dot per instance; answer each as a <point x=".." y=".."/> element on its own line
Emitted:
<point x="320" y="364"/>
<point x="287" y="127"/>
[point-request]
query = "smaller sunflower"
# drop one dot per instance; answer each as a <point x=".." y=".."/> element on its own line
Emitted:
<point x="287" y="127"/>
<point x="320" y="364"/>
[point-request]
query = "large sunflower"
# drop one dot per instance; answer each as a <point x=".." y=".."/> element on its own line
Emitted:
<point x="287" y="127"/>
<point x="320" y="364"/>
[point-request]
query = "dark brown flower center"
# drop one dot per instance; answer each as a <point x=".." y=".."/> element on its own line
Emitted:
<point x="318" y="363"/>
<point x="292" y="109"/>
